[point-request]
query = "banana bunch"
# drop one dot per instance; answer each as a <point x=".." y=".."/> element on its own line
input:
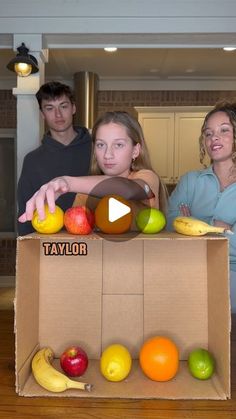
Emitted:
<point x="48" y="377"/>
<point x="194" y="227"/>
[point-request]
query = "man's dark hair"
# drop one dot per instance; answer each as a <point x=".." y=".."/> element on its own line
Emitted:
<point x="53" y="90"/>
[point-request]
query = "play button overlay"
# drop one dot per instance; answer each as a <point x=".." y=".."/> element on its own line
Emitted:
<point x="114" y="214"/>
<point x="117" y="209"/>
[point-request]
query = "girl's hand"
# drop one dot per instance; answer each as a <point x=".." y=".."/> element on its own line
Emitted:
<point x="48" y="193"/>
<point x="219" y="223"/>
<point x="184" y="210"/>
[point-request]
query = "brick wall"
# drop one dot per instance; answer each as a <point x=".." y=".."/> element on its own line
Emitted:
<point x="126" y="100"/>
<point x="7" y="120"/>
<point x="107" y="100"/>
<point x="7" y="109"/>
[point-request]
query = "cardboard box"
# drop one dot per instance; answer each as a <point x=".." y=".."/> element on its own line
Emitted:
<point x="123" y="291"/>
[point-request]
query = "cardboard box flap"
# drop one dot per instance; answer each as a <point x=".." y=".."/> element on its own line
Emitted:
<point x="219" y="313"/>
<point x="70" y="300"/>
<point x="27" y="300"/>
<point x="175" y="292"/>
<point x="24" y="372"/>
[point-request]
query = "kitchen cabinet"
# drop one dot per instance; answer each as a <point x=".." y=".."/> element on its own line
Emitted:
<point x="172" y="136"/>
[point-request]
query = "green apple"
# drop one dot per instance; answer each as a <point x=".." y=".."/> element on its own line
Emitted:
<point x="150" y="220"/>
<point x="201" y="364"/>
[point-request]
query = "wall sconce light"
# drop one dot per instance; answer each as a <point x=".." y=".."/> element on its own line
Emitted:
<point x="23" y="64"/>
<point x="110" y="49"/>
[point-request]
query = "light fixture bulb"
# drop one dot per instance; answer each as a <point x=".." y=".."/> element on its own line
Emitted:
<point x="23" y="69"/>
<point x="23" y="64"/>
<point x="110" y="49"/>
<point x="229" y="48"/>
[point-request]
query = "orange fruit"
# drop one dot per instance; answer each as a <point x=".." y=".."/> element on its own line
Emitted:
<point x="121" y="225"/>
<point x="52" y="223"/>
<point x="159" y="358"/>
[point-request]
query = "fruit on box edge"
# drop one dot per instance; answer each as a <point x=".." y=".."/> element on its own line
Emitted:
<point x="74" y="361"/>
<point x="52" y="223"/>
<point x="190" y="226"/>
<point x="150" y="220"/>
<point x="79" y="220"/>
<point x="121" y="224"/>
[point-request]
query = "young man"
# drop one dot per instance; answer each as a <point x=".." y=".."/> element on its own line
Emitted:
<point x="65" y="149"/>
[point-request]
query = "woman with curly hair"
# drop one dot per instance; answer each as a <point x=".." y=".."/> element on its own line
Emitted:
<point x="210" y="194"/>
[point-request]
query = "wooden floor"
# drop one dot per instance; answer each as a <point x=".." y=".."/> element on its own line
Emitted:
<point x="13" y="406"/>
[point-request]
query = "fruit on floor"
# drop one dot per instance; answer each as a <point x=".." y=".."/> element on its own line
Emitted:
<point x="150" y="220"/>
<point x="159" y="358"/>
<point x="115" y="362"/>
<point x="193" y="227"/>
<point x="121" y="225"/>
<point x="52" y="223"/>
<point x="79" y="220"/>
<point x="48" y="377"/>
<point x="201" y="363"/>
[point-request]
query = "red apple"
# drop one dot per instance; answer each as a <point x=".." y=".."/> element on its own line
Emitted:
<point x="79" y="220"/>
<point x="74" y="361"/>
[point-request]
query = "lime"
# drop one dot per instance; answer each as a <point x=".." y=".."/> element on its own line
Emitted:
<point x="115" y="362"/>
<point x="201" y="364"/>
<point x="150" y="220"/>
<point x="52" y="223"/>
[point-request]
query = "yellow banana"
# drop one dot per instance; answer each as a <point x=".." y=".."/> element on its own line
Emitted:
<point x="194" y="227"/>
<point x="48" y="377"/>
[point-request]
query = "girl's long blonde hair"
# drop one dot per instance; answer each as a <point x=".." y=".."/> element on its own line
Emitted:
<point x="135" y="133"/>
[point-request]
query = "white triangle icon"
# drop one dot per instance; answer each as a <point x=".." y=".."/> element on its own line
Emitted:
<point x="116" y="210"/>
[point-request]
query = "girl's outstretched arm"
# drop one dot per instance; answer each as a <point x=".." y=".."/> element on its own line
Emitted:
<point x="49" y="192"/>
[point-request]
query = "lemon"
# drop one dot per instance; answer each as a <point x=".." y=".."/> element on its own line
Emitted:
<point x="52" y="223"/>
<point x="115" y="362"/>
<point x="150" y="220"/>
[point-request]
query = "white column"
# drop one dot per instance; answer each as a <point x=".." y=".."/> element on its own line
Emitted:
<point x="29" y="122"/>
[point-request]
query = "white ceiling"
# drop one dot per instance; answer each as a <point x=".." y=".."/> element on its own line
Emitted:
<point x="136" y="63"/>
<point x="143" y="63"/>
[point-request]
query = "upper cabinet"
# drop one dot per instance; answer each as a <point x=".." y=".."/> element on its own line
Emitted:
<point x="172" y="136"/>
